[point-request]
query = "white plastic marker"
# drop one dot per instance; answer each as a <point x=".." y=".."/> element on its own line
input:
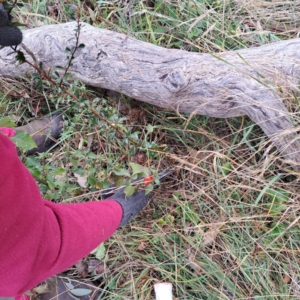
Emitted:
<point x="163" y="291"/>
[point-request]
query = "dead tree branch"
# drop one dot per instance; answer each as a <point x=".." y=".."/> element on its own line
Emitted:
<point x="237" y="83"/>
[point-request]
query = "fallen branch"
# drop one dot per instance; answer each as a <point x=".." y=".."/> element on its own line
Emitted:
<point x="237" y="83"/>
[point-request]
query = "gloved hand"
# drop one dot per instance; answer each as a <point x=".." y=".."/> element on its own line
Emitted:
<point x="9" y="35"/>
<point x="136" y="202"/>
<point x="131" y="205"/>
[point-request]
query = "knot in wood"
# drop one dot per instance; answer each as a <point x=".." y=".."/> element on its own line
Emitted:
<point x="176" y="80"/>
<point x="101" y="55"/>
<point x="48" y="39"/>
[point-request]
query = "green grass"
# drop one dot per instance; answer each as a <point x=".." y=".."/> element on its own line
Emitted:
<point x="226" y="225"/>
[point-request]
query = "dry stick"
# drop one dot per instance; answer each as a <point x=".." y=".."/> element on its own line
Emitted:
<point x="75" y="48"/>
<point x="119" y="130"/>
<point x="13" y="6"/>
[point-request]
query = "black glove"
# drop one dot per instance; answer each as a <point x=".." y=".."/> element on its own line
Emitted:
<point x="131" y="205"/>
<point x="9" y="35"/>
<point x="135" y="203"/>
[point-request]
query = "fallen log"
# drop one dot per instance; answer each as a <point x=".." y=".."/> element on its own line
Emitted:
<point x="230" y="84"/>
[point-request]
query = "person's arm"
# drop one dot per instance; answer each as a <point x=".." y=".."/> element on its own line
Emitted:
<point x="39" y="238"/>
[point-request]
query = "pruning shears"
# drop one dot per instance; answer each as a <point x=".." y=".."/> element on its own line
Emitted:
<point x="139" y="182"/>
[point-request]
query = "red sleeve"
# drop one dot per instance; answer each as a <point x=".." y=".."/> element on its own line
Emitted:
<point x="39" y="238"/>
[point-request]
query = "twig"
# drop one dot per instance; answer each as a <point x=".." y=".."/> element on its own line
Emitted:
<point x="77" y="34"/>
<point x="119" y="130"/>
<point x="13" y="6"/>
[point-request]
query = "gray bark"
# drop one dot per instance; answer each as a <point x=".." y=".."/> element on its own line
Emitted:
<point x="236" y="83"/>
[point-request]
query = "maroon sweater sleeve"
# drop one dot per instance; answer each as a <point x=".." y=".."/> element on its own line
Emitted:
<point x="39" y="238"/>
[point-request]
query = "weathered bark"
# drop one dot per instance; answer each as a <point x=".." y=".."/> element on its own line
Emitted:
<point x="236" y="83"/>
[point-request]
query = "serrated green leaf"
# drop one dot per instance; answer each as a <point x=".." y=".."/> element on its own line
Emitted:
<point x="20" y="57"/>
<point x="59" y="171"/>
<point x="80" y="292"/>
<point x="32" y="162"/>
<point x="51" y="184"/>
<point x="35" y="173"/>
<point x="138" y="169"/>
<point x="122" y="172"/>
<point x="100" y="252"/>
<point x="23" y="141"/>
<point x="7" y="122"/>
<point x="129" y="190"/>
<point x="149" y="188"/>
<point x="92" y="180"/>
